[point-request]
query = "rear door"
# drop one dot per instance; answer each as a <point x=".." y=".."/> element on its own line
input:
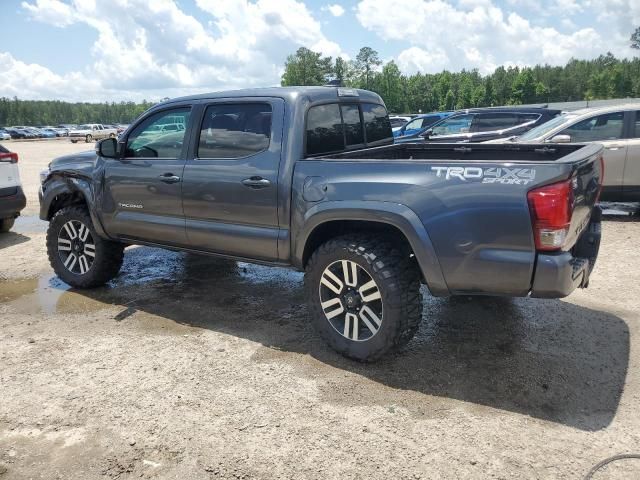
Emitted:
<point x="143" y="191"/>
<point x="631" y="182"/>
<point x="230" y="191"/>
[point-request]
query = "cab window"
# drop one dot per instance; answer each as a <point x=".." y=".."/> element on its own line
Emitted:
<point x="324" y="129"/>
<point x="149" y="140"/>
<point x="636" y="126"/>
<point x="235" y="130"/>
<point x="376" y="123"/>
<point x="599" y="128"/>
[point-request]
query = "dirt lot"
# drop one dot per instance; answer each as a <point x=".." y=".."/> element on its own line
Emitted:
<point x="194" y="368"/>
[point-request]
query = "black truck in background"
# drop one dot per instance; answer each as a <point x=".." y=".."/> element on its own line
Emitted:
<point x="309" y="177"/>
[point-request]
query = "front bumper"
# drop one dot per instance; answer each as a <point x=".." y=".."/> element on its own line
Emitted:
<point x="557" y="275"/>
<point x="12" y="204"/>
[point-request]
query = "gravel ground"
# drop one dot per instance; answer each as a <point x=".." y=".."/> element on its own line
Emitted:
<point x="189" y="367"/>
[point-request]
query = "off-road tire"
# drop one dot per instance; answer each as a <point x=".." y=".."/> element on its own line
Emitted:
<point x="398" y="280"/>
<point x="88" y="138"/>
<point x="6" y="224"/>
<point x="108" y="255"/>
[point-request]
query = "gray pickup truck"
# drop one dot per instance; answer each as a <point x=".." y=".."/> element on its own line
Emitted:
<point x="309" y="178"/>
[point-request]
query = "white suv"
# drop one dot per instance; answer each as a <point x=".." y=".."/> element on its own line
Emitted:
<point x="12" y="199"/>
<point x="616" y="127"/>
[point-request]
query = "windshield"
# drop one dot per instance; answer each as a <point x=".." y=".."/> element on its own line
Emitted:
<point x="545" y="128"/>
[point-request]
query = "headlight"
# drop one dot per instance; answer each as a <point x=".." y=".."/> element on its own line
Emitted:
<point x="43" y="175"/>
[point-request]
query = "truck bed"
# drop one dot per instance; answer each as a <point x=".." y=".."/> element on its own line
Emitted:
<point x="471" y="200"/>
<point x="464" y="151"/>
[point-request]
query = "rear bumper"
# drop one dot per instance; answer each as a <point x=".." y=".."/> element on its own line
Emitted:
<point x="557" y="275"/>
<point x="11" y="205"/>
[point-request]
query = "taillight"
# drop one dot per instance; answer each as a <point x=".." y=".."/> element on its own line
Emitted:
<point x="551" y="208"/>
<point x="9" y="157"/>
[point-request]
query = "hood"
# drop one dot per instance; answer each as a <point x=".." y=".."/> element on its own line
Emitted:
<point x="79" y="162"/>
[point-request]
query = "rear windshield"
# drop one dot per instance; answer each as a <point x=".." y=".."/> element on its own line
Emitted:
<point x="334" y="127"/>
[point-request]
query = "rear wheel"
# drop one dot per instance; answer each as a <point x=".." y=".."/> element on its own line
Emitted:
<point x="77" y="254"/>
<point x="6" y="224"/>
<point x="74" y="141"/>
<point x="364" y="295"/>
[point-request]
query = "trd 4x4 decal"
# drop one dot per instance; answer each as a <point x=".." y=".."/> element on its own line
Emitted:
<point x="504" y="175"/>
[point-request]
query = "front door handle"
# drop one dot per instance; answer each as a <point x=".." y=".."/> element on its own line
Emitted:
<point x="256" y="182"/>
<point x="169" y="178"/>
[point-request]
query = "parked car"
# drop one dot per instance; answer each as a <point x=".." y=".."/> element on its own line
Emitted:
<point x="4" y="134"/>
<point x="25" y="132"/>
<point x="91" y="131"/>
<point x="46" y="132"/>
<point x="615" y="127"/>
<point x="481" y="124"/>
<point x="419" y="124"/>
<point x="331" y="195"/>
<point x="398" y="121"/>
<point x="58" y="132"/>
<point x="16" y="133"/>
<point x="12" y="198"/>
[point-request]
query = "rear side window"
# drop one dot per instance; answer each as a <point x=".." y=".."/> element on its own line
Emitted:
<point x="324" y="129"/>
<point x="603" y="127"/>
<point x="636" y="125"/>
<point x="487" y="122"/>
<point x="235" y="130"/>
<point x="376" y="122"/>
<point x="352" y="124"/>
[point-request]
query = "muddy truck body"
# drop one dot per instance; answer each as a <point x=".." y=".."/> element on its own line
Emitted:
<point x="309" y="178"/>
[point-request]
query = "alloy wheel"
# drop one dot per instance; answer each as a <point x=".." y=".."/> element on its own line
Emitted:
<point x="76" y="247"/>
<point x="351" y="300"/>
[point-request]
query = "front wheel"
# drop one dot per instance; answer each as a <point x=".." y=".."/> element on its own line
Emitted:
<point x="364" y="295"/>
<point x="88" y="138"/>
<point x="77" y="254"/>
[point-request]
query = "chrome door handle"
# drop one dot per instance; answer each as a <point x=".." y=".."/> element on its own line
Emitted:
<point x="169" y="178"/>
<point x="256" y="182"/>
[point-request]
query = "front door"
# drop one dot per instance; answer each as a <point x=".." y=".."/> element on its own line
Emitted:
<point x="606" y="129"/>
<point x="230" y="186"/>
<point x="143" y="191"/>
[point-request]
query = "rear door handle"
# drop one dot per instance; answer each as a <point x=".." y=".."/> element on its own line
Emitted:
<point x="169" y="178"/>
<point x="256" y="182"/>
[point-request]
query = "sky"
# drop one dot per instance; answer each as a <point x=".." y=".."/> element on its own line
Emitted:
<point x="97" y="50"/>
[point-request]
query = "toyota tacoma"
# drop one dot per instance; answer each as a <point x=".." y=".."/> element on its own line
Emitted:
<point x="309" y="178"/>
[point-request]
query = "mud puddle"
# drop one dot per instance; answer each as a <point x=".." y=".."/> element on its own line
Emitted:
<point x="178" y="286"/>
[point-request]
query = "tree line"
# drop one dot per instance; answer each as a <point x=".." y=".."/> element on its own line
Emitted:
<point x="600" y="78"/>
<point x="54" y="112"/>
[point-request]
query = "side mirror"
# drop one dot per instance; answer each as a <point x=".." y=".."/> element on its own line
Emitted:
<point x="560" y="139"/>
<point x="107" y="148"/>
<point x="427" y="133"/>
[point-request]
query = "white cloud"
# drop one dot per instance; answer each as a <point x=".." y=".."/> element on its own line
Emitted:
<point x="476" y="34"/>
<point x="335" y="9"/>
<point x="152" y="49"/>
